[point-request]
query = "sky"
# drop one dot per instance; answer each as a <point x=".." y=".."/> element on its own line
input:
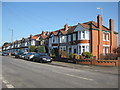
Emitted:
<point x="27" y="18"/>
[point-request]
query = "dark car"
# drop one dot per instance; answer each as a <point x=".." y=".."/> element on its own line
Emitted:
<point x="4" y="54"/>
<point x="29" y="56"/>
<point x="22" y="55"/>
<point x="17" y="54"/>
<point x="42" y="57"/>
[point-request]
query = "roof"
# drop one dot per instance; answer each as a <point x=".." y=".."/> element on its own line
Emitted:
<point x="94" y="25"/>
<point x="34" y="37"/>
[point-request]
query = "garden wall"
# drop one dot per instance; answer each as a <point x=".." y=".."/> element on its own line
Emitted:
<point x="99" y="62"/>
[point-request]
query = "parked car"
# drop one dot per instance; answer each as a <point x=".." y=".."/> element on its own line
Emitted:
<point x="1" y="53"/>
<point x="4" y="54"/>
<point x="17" y="54"/>
<point x="29" y="56"/>
<point x="42" y="57"/>
<point x="22" y="55"/>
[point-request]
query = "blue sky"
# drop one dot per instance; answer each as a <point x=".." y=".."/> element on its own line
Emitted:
<point x="27" y="18"/>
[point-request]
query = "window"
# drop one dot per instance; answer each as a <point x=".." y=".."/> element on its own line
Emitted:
<point x="83" y="47"/>
<point x="62" y="39"/>
<point x="79" y="49"/>
<point x="74" y="36"/>
<point x="87" y="48"/>
<point x="74" y="50"/>
<point x="53" y="40"/>
<point x="69" y="50"/>
<point x="69" y="38"/>
<point x="106" y="50"/>
<point x="83" y="34"/>
<point x="105" y="36"/>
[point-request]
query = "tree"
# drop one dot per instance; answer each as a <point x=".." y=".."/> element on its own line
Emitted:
<point x="32" y="48"/>
<point x="6" y="43"/>
<point x="41" y="49"/>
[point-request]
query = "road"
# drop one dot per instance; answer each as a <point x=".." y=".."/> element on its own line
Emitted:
<point x="18" y="73"/>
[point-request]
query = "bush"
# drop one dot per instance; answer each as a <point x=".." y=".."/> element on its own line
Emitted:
<point x="71" y="55"/>
<point x="64" y="54"/>
<point x="77" y="56"/>
<point x="41" y="49"/>
<point x="55" y="52"/>
<point x="32" y="48"/>
<point x="87" y="54"/>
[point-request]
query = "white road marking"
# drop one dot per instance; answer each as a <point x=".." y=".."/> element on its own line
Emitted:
<point x="74" y="76"/>
<point x="0" y="77"/>
<point x="8" y="85"/>
<point x="5" y="82"/>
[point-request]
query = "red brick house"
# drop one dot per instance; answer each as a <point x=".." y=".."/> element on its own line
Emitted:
<point x="85" y="37"/>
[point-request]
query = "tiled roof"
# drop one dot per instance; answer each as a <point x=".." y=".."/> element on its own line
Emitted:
<point x="45" y="35"/>
<point x="35" y="37"/>
<point x="94" y="25"/>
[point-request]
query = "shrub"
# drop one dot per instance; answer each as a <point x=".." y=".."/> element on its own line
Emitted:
<point x="77" y="56"/>
<point x="64" y="54"/>
<point x="41" y="49"/>
<point x="87" y="54"/>
<point x="71" y="55"/>
<point x="55" y="52"/>
<point x="32" y="48"/>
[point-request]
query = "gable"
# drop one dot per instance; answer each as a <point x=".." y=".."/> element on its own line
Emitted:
<point x="79" y="28"/>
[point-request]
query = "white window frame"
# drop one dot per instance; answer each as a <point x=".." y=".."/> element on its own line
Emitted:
<point x="105" y="34"/>
<point x="69" y="38"/>
<point x="74" y="36"/>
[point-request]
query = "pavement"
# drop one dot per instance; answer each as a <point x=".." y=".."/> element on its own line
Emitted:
<point x="103" y="69"/>
<point x="18" y="73"/>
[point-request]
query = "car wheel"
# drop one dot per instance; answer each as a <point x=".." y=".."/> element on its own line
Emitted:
<point x="40" y="61"/>
<point x="34" y="60"/>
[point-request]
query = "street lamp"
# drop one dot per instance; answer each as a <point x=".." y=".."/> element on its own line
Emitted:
<point x="11" y="35"/>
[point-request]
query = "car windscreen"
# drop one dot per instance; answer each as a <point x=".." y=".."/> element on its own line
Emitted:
<point x="43" y="54"/>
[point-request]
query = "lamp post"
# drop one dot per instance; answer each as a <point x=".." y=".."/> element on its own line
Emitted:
<point x="11" y="35"/>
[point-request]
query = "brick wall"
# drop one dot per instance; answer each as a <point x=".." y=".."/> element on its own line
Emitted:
<point x="99" y="62"/>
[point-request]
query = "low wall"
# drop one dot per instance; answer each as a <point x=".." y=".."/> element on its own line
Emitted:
<point x="99" y="62"/>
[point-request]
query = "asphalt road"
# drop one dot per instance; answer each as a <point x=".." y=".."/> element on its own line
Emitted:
<point x="18" y="73"/>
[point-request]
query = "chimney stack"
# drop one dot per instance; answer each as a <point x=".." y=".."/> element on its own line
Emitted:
<point x="42" y="32"/>
<point x="66" y="27"/>
<point x="30" y="35"/>
<point x="100" y="35"/>
<point x="111" y="25"/>
<point x="99" y="21"/>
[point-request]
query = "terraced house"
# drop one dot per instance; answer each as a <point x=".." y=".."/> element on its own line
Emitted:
<point x="90" y="36"/>
<point x="85" y="37"/>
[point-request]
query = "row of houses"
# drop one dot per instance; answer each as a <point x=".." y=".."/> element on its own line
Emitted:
<point x="90" y="36"/>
